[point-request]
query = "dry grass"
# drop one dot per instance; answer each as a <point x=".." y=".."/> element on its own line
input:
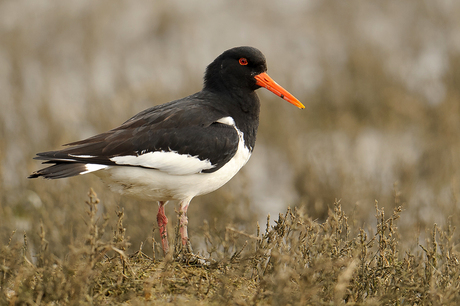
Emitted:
<point x="298" y="261"/>
<point x="380" y="84"/>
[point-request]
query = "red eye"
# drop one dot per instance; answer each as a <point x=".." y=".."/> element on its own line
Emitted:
<point x="243" y="61"/>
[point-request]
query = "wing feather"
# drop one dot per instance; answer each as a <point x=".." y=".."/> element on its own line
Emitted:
<point x="186" y="128"/>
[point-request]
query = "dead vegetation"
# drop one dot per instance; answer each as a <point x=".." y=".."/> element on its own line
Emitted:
<point x="380" y="83"/>
<point x="298" y="261"/>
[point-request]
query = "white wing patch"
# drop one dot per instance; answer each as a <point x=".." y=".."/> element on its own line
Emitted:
<point x="227" y="121"/>
<point x="170" y="162"/>
<point x="81" y="156"/>
<point x="93" y="167"/>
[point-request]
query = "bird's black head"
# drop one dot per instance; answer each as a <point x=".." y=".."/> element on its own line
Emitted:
<point x="242" y="70"/>
<point x="235" y="70"/>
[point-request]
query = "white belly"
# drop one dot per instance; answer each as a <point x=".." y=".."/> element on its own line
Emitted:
<point x="156" y="185"/>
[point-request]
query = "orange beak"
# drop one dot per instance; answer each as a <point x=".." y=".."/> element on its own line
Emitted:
<point x="264" y="80"/>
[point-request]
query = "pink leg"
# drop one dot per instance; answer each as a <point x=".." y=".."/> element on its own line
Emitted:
<point x="183" y="221"/>
<point x="162" y="222"/>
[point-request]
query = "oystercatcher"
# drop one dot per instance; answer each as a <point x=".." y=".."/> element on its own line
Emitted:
<point x="181" y="149"/>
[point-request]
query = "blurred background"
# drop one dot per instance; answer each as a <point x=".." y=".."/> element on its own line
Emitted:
<point x="380" y="82"/>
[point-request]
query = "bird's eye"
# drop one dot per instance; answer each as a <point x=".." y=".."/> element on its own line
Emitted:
<point x="243" y="61"/>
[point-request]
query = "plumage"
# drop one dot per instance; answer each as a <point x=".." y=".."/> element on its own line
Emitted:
<point x="180" y="149"/>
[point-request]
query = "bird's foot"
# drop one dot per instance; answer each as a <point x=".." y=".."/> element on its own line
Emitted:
<point x="195" y="260"/>
<point x="182" y="247"/>
<point x="183" y="252"/>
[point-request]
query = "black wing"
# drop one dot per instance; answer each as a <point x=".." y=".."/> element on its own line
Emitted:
<point x="186" y="127"/>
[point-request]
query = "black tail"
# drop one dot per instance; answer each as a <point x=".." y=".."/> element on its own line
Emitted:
<point x="60" y="170"/>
